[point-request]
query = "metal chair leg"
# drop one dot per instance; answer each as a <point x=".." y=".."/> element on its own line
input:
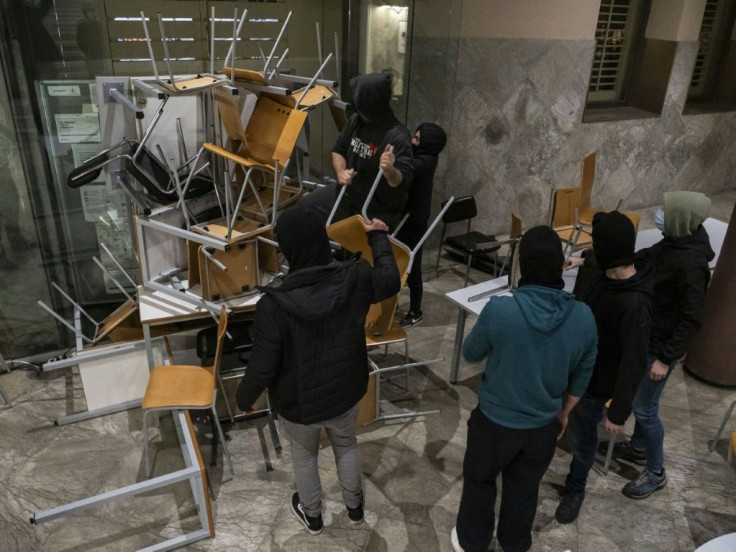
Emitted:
<point x="729" y="460"/>
<point x="467" y="270"/>
<point x="225" y="452"/>
<point x="224" y="398"/>
<point x="609" y="453"/>
<point x="723" y="425"/>
<point x="4" y="397"/>
<point x="145" y="442"/>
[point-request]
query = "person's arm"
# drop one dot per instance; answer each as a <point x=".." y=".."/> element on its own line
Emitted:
<point x="344" y="175"/>
<point x="401" y="160"/>
<point x="690" y="301"/>
<point x="393" y="176"/>
<point x="477" y="345"/>
<point x="385" y="278"/>
<point x="265" y="359"/>
<point x="568" y="403"/>
<point x="633" y="342"/>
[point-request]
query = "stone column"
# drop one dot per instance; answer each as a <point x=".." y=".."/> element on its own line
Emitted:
<point x="712" y="353"/>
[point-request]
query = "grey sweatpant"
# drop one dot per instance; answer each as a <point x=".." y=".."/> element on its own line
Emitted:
<point x="304" y="441"/>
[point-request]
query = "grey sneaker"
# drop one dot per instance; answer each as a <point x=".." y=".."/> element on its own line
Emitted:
<point x="569" y="506"/>
<point x="313" y="524"/>
<point x="645" y="484"/>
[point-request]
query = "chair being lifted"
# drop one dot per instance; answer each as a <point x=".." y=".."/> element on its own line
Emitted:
<point x="381" y="326"/>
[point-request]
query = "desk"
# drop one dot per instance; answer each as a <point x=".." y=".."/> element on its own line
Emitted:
<point x="724" y="543"/>
<point x="499" y="286"/>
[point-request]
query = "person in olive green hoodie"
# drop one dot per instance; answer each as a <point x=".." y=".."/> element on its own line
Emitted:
<point x="540" y="348"/>
<point x="682" y="275"/>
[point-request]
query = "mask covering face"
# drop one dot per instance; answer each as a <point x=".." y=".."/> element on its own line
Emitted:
<point x="659" y="220"/>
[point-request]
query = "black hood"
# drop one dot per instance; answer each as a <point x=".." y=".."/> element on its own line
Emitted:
<point x="303" y="238"/>
<point x="642" y="281"/>
<point x="432" y="139"/>
<point x="372" y="98"/>
<point x="697" y="242"/>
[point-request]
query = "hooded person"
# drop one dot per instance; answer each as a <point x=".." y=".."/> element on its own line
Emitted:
<point x="309" y="351"/>
<point x="682" y="275"/>
<point x="539" y="347"/>
<point x="373" y="139"/>
<point x="619" y="293"/>
<point x="428" y="142"/>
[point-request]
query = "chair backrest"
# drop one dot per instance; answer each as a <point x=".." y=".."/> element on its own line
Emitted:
<point x="587" y="178"/>
<point x="463" y="208"/>
<point x="221" y="331"/>
<point x="349" y="233"/>
<point x="228" y="105"/>
<point x="272" y="131"/>
<point x="516" y="229"/>
<point x="563" y="203"/>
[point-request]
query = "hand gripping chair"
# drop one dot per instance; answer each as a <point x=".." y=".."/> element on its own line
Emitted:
<point x="381" y="326"/>
<point x="177" y="387"/>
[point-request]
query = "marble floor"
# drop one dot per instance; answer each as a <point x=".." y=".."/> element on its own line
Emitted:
<point x="412" y="468"/>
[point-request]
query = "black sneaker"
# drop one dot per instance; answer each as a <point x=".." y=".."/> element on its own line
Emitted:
<point x="628" y="453"/>
<point x="411" y="319"/>
<point x="356" y="515"/>
<point x="313" y="524"/>
<point x="645" y="484"/>
<point x="569" y="506"/>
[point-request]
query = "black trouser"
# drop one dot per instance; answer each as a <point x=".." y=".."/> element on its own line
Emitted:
<point x="521" y="456"/>
<point x="410" y="236"/>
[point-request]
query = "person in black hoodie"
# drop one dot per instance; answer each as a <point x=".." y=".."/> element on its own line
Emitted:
<point x="364" y="146"/>
<point x="682" y="275"/>
<point x="619" y="293"/>
<point x="309" y="351"/>
<point x="428" y="142"/>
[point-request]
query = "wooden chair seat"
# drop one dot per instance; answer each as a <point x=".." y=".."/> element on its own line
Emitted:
<point x="185" y="386"/>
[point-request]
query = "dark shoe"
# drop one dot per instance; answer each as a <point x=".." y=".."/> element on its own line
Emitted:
<point x="628" y="453"/>
<point x="313" y="524"/>
<point x="356" y="515"/>
<point x="411" y="319"/>
<point x="645" y="484"/>
<point x="569" y="506"/>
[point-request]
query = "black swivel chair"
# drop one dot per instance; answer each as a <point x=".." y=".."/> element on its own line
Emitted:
<point x="471" y="244"/>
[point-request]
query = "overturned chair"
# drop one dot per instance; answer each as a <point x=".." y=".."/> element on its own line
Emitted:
<point x="382" y="329"/>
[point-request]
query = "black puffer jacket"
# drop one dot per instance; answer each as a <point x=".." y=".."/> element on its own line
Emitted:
<point x="623" y="316"/>
<point x="309" y="337"/>
<point x="681" y="280"/>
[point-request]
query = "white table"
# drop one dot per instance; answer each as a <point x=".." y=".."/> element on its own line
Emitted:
<point x="724" y="543"/>
<point x="465" y="300"/>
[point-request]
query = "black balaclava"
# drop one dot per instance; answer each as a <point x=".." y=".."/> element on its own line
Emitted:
<point x="540" y="258"/>
<point x="372" y="98"/>
<point x="303" y="238"/>
<point x="432" y="139"/>
<point x="614" y="238"/>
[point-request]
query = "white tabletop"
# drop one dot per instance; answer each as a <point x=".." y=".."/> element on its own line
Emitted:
<point x="724" y="543"/>
<point x="715" y="228"/>
<point x="157" y="307"/>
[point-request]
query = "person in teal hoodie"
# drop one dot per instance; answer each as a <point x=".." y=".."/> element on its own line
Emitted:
<point x="540" y="345"/>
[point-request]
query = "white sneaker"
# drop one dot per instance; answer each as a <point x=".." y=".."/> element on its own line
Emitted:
<point x="454" y="540"/>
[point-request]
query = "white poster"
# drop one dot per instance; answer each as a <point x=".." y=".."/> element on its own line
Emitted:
<point x="77" y="127"/>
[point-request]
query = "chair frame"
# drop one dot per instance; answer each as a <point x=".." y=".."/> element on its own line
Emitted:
<point x="221" y="332"/>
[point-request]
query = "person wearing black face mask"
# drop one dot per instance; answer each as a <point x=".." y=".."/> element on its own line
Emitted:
<point x="428" y="142"/>
<point x="373" y="139"/>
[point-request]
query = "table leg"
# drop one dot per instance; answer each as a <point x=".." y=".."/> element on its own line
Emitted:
<point x="459" y="335"/>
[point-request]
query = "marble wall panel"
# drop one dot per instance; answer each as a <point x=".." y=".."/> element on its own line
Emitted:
<point x="513" y="112"/>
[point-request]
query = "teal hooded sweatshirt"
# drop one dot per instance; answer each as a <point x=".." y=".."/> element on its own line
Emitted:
<point x="540" y="344"/>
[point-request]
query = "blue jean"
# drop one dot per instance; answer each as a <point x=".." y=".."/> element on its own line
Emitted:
<point x="649" y="431"/>
<point x="582" y="433"/>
